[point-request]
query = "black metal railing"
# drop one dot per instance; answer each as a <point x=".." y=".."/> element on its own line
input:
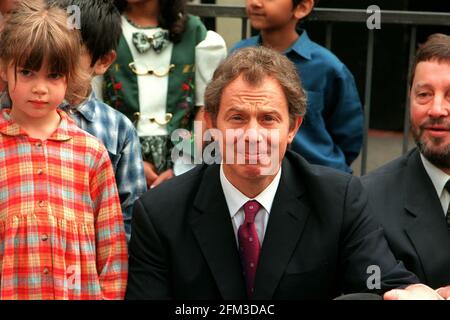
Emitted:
<point x="330" y="16"/>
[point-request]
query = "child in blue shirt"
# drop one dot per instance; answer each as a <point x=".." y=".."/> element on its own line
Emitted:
<point x="332" y="130"/>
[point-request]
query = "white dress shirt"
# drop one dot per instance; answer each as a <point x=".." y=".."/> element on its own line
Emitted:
<point x="236" y="200"/>
<point x="439" y="179"/>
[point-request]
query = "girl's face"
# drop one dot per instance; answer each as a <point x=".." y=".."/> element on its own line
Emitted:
<point x="35" y="94"/>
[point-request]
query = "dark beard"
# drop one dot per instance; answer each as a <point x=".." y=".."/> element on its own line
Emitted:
<point x="440" y="158"/>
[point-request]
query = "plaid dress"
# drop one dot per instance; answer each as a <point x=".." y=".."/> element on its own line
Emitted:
<point x="61" y="227"/>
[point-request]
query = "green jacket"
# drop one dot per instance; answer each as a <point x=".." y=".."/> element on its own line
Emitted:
<point x="121" y="88"/>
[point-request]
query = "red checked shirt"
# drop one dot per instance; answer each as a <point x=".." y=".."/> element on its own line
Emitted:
<point x="61" y="226"/>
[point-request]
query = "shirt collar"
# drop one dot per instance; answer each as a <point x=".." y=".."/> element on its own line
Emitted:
<point x="236" y="199"/>
<point x="303" y="46"/>
<point x="437" y="176"/>
<point x="10" y="128"/>
<point x="86" y="108"/>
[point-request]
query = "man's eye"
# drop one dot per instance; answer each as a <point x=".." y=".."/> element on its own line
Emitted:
<point x="236" y="117"/>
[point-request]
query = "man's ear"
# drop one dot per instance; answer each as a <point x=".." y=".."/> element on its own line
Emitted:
<point x="293" y="131"/>
<point x="303" y="9"/>
<point x="104" y="62"/>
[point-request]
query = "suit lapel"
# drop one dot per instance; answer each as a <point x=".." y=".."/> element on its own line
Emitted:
<point x="286" y="222"/>
<point x="427" y="229"/>
<point x="211" y="224"/>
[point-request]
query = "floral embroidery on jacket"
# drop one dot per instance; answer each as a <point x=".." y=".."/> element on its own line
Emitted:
<point x="188" y="90"/>
<point x="187" y="102"/>
<point x="113" y="94"/>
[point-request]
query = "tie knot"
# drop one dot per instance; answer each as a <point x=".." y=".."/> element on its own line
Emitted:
<point x="251" y="208"/>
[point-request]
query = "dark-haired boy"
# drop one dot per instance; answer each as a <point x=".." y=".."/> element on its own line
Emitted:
<point x="100" y="31"/>
<point x="332" y="129"/>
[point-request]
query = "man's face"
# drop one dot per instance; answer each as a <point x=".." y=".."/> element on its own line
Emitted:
<point x="255" y="127"/>
<point x="430" y="107"/>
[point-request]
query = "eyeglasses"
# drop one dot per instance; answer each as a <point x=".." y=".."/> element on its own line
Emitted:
<point x="166" y="120"/>
<point x="141" y="69"/>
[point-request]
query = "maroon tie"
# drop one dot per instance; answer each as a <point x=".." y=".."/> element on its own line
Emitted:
<point x="249" y="244"/>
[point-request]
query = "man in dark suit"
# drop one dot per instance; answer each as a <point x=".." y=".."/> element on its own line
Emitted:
<point x="410" y="195"/>
<point x="262" y="224"/>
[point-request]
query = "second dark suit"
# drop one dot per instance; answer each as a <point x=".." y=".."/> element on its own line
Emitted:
<point x="405" y="200"/>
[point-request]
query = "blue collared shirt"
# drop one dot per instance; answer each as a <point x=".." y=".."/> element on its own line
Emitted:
<point x="332" y="129"/>
<point x="119" y="136"/>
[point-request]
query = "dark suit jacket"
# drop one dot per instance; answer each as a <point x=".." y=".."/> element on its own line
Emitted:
<point x="319" y="241"/>
<point x="403" y="197"/>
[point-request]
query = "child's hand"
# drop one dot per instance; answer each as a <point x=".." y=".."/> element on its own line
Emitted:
<point x="150" y="173"/>
<point x="413" y="292"/>
<point x="444" y="292"/>
<point x="166" y="175"/>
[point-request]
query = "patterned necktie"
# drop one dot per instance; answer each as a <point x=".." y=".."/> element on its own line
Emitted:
<point x="249" y="244"/>
<point x="447" y="186"/>
<point x="158" y="41"/>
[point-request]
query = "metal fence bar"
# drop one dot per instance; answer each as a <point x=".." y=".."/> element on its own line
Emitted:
<point x="388" y="16"/>
<point x="412" y="50"/>
<point x="244" y="28"/>
<point x="214" y="10"/>
<point x="333" y="15"/>
<point x="367" y="98"/>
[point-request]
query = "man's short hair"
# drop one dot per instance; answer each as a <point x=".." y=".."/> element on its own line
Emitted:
<point x="255" y="64"/>
<point x="101" y="25"/>
<point x="436" y="48"/>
